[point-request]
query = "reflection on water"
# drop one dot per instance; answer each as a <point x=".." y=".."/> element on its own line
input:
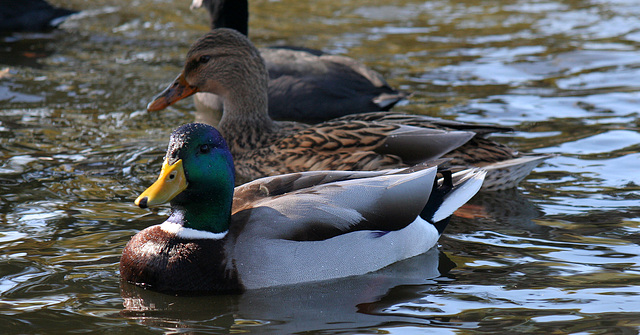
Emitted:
<point x="297" y="308"/>
<point x="560" y="253"/>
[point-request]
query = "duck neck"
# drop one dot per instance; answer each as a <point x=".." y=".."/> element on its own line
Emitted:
<point x="230" y="14"/>
<point x="209" y="211"/>
<point x="245" y="121"/>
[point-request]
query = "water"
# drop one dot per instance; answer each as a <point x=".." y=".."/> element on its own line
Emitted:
<point x="559" y="254"/>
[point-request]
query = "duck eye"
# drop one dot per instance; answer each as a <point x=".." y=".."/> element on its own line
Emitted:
<point x="205" y="148"/>
<point x="204" y="59"/>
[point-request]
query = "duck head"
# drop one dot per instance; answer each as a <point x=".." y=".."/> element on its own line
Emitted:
<point x="222" y="62"/>
<point x="197" y="179"/>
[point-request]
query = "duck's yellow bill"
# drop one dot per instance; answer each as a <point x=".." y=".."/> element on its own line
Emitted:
<point x="177" y="91"/>
<point x="170" y="183"/>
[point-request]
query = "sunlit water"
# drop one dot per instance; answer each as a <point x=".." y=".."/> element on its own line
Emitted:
<point x="559" y="254"/>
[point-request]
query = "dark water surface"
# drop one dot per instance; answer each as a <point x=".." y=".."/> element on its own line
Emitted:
<point x="559" y="254"/>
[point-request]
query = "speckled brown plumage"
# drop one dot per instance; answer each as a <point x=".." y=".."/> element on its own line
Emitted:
<point x="351" y="143"/>
<point x="224" y="62"/>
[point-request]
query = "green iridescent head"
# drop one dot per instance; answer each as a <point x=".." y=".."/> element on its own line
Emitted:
<point x="197" y="178"/>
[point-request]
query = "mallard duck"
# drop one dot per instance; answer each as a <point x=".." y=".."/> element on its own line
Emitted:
<point x="225" y="62"/>
<point x="31" y="15"/>
<point x="286" y="229"/>
<point x="305" y="85"/>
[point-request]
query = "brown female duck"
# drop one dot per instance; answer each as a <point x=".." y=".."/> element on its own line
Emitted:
<point x="304" y="84"/>
<point x="224" y="62"/>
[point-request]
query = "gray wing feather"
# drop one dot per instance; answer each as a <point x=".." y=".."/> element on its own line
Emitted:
<point x="386" y="202"/>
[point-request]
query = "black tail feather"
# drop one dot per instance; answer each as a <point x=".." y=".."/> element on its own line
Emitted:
<point x="437" y="198"/>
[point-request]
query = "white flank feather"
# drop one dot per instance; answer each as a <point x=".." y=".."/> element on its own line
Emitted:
<point x="461" y="194"/>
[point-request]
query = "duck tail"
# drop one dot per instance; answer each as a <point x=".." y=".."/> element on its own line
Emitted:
<point x="507" y="174"/>
<point x="451" y="191"/>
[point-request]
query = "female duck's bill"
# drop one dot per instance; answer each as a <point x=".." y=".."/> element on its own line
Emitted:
<point x="286" y="229"/>
<point x="178" y="90"/>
